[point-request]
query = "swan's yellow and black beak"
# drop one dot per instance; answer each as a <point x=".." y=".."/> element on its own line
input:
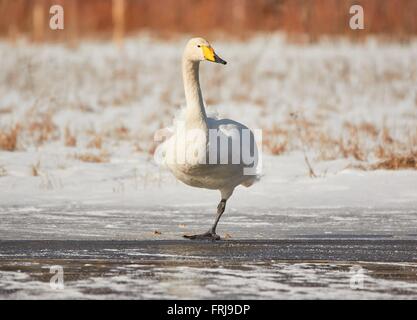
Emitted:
<point x="210" y="55"/>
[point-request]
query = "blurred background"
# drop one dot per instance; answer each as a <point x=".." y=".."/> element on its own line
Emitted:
<point x="104" y="18"/>
<point x="93" y="94"/>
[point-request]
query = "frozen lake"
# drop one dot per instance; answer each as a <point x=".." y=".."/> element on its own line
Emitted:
<point x="139" y="253"/>
<point x="263" y="269"/>
<point x="168" y="223"/>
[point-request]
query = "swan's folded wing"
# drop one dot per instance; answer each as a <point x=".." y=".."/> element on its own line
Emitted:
<point x="240" y="147"/>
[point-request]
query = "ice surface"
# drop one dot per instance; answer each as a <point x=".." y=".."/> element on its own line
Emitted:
<point x="155" y="223"/>
<point x="249" y="281"/>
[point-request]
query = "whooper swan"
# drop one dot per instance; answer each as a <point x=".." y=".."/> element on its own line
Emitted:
<point x="204" y="152"/>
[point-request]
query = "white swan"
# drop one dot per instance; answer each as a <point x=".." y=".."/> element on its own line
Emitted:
<point x="206" y="152"/>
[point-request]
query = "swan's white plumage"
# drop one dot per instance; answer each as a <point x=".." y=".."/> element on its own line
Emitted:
<point x="189" y="159"/>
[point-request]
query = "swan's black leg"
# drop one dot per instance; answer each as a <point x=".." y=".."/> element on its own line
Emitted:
<point x="211" y="234"/>
<point x="220" y="209"/>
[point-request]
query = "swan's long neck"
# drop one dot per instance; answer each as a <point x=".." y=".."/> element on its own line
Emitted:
<point x="195" y="113"/>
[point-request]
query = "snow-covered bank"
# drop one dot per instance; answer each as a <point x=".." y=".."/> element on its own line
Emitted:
<point x="135" y="180"/>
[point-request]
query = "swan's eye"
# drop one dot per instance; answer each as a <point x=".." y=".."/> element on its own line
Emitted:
<point x="198" y="46"/>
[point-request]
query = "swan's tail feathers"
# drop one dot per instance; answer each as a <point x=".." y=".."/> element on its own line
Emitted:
<point x="253" y="180"/>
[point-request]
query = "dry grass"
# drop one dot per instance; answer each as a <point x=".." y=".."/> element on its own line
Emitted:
<point x="275" y="140"/>
<point x="296" y="120"/>
<point x="350" y="143"/>
<point x="396" y="162"/>
<point x="6" y="110"/>
<point x="70" y="139"/>
<point x="8" y="139"/>
<point x="392" y="162"/>
<point x="92" y="158"/>
<point x="3" y="172"/>
<point x="371" y="147"/>
<point x="96" y="142"/>
<point x="122" y="133"/>
<point x="35" y="169"/>
<point x="41" y="128"/>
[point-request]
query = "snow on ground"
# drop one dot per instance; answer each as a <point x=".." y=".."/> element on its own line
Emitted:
<point x="86" y="117"/>
<point x="135" y="181"/>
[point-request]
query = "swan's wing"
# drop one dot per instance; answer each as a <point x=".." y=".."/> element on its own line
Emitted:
<point x="240" y="147"/>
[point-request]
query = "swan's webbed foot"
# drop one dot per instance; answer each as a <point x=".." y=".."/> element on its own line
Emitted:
<point x="204" y="236"/>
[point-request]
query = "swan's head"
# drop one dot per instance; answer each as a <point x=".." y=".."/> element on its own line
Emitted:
<point x="199" y="49"/>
